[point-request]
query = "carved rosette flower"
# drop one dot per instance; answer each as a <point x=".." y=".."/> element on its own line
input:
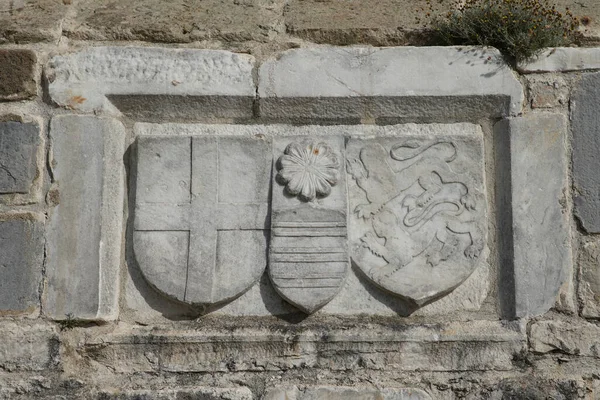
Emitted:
<point x="308" y="169"/>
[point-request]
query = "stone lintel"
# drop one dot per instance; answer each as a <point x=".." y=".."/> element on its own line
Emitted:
<point x="135" y="80"/>
<point x="365" y="83"/>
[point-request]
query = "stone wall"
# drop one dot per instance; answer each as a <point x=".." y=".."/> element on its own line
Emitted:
<point x="208" y="202"/>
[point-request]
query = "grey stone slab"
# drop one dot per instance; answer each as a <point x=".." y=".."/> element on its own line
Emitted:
<point x="199" y="83"/>
<point x="586" y="145"/>
<point x="308" y="252"/>
<point x="418" y="210"/>
<point x="85" y="228"/>
<point x="563" y="59"/>
<point x="482" y="346"/>
<point x="201" y="393"/>
<point x="21" y="259"/>
<point x="589" y="279"/>
<point x="535" y="237"/>
<point x="377" y="83"/>
<point x="358" y="295"/>
<point x="201" y="209"/>
<point x="18" y="156"/>
<point x="574" y="337"/>
<point x="28" y="346"/>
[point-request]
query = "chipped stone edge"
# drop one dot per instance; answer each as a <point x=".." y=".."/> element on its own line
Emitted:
<point x="563" y="59"/>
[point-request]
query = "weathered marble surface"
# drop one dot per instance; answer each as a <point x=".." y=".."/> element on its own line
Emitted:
<point x="85" y="225"/>
<point x="131" y="79"/>
<point x="373" y="83"/>
<point x="535" y="242"/>
<point x="357" y="293"/>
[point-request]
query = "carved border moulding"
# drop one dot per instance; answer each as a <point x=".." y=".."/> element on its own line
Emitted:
<point x="308" y="255"/>
<point x="201" y="211"/>
<point x="418" y="212"/>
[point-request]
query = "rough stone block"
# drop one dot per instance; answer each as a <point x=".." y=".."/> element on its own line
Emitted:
<point x="351" y="344"/>
<point x="28" y="346"/>
<point x="150" y="83"/>
<point x="589" y="279"/>
<point x="571" y="337"/>
<point x="202" y="393"/>
<point x="21" y="259"/>
<point x="586" y="142"/>
<point x="362" y="22"/>
<point x="19" y="145"/>
<point x="26" y="21"/>
<point x="358" y="83"/>
<point x="17" y="74"/>
<point x="358" y="293"/>
<point x="532" y="165"/>
<point x="85" y="228"/>
<point x="345" y="393"/>
<point x="547" y="91"/>
<point x="177" y="21"/>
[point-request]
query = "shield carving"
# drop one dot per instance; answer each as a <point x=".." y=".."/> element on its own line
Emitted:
<point x="200" y="215"/>
<point x="418" y="225"/>
<point x="308" y="256"/>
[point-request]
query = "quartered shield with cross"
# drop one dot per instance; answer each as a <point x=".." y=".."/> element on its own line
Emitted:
<point x="201" y="214"/>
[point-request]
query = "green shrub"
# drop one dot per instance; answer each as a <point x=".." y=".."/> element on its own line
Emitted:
<point x="518" y="28"/>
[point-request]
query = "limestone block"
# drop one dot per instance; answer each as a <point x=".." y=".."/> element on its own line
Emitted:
<point x="17" y="74"/>
<point x="21" y="259"/>
<point x="345" y="393"/>
<point x="358" y="294"/>
<point x="201" y="211"/>
<point x="418" y="227"/>
<point x="147" y="82"/>
<point x="350" y="345"/>
<point x="84" y="231"/>
<point x="586" y="141"/>
<point x="359" y="83"/>
<point x="362" y="22"/>
<point x="308" y="253"/>
<point x="571" y="337"/>
<point x="589" y="279"/>
<point x="27" y="21"/>
<point x="535" y="250"/>
<point x="19" y="145"/>
<point x="28" y="346"/>
<point x="203" y="393"/>
<point x="177" y="21"/>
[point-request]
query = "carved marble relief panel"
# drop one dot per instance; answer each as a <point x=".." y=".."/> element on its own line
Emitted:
<point x="308" y="255"/>
<point x="333" y="217"/>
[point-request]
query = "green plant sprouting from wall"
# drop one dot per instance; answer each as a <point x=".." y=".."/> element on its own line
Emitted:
<point x="520" y="29"/>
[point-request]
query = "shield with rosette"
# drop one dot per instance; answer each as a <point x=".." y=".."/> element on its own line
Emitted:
<point x="308" y="256"/>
